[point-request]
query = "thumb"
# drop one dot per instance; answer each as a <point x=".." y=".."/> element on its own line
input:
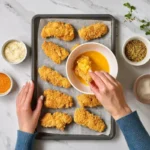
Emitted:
<point x="39" y="105"/>
<point x="94" y="88"/>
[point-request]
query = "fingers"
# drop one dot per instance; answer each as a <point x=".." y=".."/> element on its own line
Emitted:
<point x="20" y="95"/>
<point x="29" y="94"/>
<point x="97" y="80"/>
<point x="25" y="92"/>
<point x="107" y="79"/>
<point x="37" y="111"/>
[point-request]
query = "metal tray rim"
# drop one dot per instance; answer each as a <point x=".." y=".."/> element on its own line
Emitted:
<point x="48" y="136"/>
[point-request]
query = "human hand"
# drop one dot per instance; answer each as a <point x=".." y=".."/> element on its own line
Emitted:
<point x="110" y="94"/>
<point x="27" y="118"/>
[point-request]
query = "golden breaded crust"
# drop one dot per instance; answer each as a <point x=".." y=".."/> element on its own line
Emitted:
<point x="93" y="31"/>
<point x="60" y="30"/>
<point x="54" y="52"/>
<point x="58" y="120"/>
<point x="53" y="77"/>
<point x="56" y="99"/>
<point x="74" y="46"/>
<point x="87" y="119"/>
<point x="85" y="100"/>
<point x="82" y="68"/>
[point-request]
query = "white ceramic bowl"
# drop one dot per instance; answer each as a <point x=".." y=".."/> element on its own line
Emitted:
<point x="91" y="46"/>
<point x="3" y="48"/>
<point x="147" y="57"/>
<point x="135" y="88"/>
<point x="7" y="92"/>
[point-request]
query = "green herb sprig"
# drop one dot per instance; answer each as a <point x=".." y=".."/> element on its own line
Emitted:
<point x="129" y="15"/>
<point x="145" y="26"/>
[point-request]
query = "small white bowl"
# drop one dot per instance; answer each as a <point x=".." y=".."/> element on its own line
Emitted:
<point x="91" y="46"/>
<point x="135" y="88"/>
<point x="3" y="48"/>
<point x="7" y="92"/>
<point x="147" y="57"/>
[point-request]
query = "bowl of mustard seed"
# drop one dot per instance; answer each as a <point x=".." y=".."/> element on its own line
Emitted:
<point x="136" y="50"/>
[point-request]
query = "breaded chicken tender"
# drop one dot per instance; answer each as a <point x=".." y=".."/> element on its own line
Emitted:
<point x="58" y="120"/>
<point x="56" y="99"/>
<point x="87" y="119"/>
<point x="60" y="30"/>
<point x="54" y="52"/>
<point x="53" y="77"/>
<point x="82" y="68"/>
<point x="93" y="31"/>
<point x="74" y="46"/>
<point x="85" y="100"/>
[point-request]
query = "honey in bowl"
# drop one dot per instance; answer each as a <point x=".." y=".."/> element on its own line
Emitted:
<point x="5" y="83"/>
<point x="87" y="61"/>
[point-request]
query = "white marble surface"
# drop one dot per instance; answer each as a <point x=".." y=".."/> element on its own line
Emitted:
<point x="15" y="22"/>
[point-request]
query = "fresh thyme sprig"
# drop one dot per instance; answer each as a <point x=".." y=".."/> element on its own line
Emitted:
<point x="145" y="25"/>
<point x="129" y="15"/>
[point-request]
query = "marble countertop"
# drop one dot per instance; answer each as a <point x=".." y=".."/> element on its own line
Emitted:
<point x="15" y="18"/>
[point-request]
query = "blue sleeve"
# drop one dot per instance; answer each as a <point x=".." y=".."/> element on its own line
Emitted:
<point x="135" y="134"/>
<point x="24" y="141"/>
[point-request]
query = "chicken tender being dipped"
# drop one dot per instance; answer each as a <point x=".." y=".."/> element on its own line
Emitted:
<point x="87" y="119"/>
<point x="93" y="31"/>
<point x="82" y="68"/>
<point x="53" y="77"/>
<point x="85" y="100"/>
<point x="57" y="119"/>
<point x="60" y="30"/>
<point x="56" y="99"/>
<point x="54" y="52"/>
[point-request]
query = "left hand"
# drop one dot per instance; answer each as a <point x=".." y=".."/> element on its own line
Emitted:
<point x="27" y="118"/>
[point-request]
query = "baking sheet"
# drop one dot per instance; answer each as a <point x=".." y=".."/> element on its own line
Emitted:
<point x="42" y="59"/>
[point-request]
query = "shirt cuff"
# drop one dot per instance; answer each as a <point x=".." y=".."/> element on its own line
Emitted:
<point x="131" y="118"/>
<point x="24" y="140"/>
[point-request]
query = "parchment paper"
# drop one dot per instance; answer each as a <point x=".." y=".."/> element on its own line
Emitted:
<point x="42" y="85"/>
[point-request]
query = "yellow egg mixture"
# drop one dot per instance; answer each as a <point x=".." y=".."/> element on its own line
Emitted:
<point x="98" y="63"/>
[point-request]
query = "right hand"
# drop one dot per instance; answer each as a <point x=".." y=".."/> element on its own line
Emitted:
<point x="110" y="94"/>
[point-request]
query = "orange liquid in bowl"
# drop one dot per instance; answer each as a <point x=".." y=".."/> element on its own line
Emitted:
<point x="5" y="83"/>
<point x="99" y="63"/>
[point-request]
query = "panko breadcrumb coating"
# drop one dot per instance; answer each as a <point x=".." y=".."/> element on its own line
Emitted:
<point x="82" y="68"/>
<point x="54" y="52"/>
<point x="87" y="119"/>
<point x="60" y="30"/>
<point x="74" y="46"/>
<point x="93" y="31"/>
<point x="85" y="100"/>
<point x="53" y="77"/>
<point x="58" y="120"/>
<point x="56" y="99"/>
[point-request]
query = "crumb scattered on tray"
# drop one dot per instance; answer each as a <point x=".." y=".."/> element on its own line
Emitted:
<point x="93" y="31"/>
<point x="53" y="77"/>
<point x="74" y="46"/>
<point x="86" y="100"/>
<point x="58" y="120"/>
<point x="87" y="119"/>
<point x="60" y="30"/>
<point x="54" y="52"/>
<point x="56" y="99"/>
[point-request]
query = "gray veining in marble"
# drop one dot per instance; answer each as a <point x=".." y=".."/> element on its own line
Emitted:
<point x="15" y="19"/>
